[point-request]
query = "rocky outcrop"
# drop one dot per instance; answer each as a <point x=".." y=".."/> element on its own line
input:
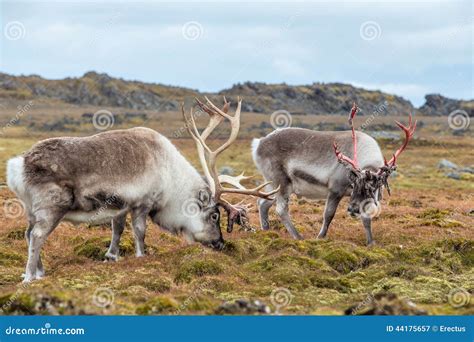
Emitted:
<point x="102" y="90"/>
<point x="436" y="104"/>
<point x="318" y="98"/>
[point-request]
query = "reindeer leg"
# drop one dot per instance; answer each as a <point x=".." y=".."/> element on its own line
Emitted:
<point x="263" y="208"/>
<point x="118" y="225"/>
<point x="31" y="224"/>
<point x="332" y="203"/>
<point x="367" y="222"/>
<point x="45" y="222"/>
<point x="282" y="210"/>
<point x="139" y="227"/>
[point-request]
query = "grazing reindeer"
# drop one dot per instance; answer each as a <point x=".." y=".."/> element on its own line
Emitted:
<point x="105" y="176"/>
<point x="302" y="162"/>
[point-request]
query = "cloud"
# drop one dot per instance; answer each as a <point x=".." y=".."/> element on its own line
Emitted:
<point x="424" y="46"/>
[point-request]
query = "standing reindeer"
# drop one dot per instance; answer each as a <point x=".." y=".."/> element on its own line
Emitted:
<point x="105" y="176"/>
<point x="314" y="165"/>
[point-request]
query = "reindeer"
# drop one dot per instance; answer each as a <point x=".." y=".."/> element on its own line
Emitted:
<point x="302" y="162"/>
<point x="108" y="175"/>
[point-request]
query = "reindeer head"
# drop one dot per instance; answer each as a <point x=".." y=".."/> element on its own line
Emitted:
<point x="236" y="213"/>
<point x="367" y="185"/>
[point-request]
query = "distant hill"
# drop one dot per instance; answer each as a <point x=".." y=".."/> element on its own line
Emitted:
<point x="318" y="98"/>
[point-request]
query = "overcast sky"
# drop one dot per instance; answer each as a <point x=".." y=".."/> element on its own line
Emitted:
<point x="407" y="48"/>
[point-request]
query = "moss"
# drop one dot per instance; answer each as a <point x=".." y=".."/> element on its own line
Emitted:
<point x="461" y="247"/>
<point x="242" y="250"/>
<point x="8" y="258"/>
<point x="403" y="271"/>
<point x="95" y="248"/>
<point x="342" y="260"/>
<point x="157" y="305"/>
<point x="197" y="268"/>
<point x="17" y="303"/>
<point x="434" y="213"/>
<point x="338" y="284"/>
<point x="150" y="283"/>
<point x="438" y="218"/>
<point x="17" y="234"/>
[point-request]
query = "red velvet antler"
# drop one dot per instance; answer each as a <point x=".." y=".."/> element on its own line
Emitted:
<point x="409" y="131"/>
<point x="342" y="158"/>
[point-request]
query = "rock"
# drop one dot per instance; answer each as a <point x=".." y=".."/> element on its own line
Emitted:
<point x="454" y="175"/>
<point x="437" y="104"/>
<point x="242" y="307"/>
<point x="446" y="164"/>
<point x="467" y="170"/>
<point x="226" y="170"/>
<point x="385" y="304"/>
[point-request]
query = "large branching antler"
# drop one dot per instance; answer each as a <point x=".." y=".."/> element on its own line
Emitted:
<point x="208" y="158"/>
<point x="409" y="131"/>
<point x="340" y="156"/>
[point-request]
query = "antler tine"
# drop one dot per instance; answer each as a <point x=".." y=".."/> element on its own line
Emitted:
<point x="222" y="112"/>
<point x="234" y="181"/>
<point x="344" y="159"/>
<point x="200" y="146"/>
<point x="340" y="156"/>
<point x="253" y="192"/>
<point x="409" y="132"/>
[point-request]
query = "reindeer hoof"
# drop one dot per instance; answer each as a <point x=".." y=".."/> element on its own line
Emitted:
<point x="110" y="257"/>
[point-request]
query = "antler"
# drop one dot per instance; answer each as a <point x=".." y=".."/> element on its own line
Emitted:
<point x="409" y="131"/>
<point x="340" y="156"/>
<point x="208" y="159"/>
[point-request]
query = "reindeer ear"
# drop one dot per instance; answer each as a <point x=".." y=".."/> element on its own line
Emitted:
<point x="204" y="197"/>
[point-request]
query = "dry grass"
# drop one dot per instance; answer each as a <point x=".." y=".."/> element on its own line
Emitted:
<point x="424" y="235"/>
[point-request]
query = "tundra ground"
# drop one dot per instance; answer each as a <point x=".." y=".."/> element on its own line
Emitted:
<point x="424" y="246"/>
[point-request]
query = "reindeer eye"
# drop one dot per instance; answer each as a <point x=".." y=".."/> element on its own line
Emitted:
<point x="215" y="217"/>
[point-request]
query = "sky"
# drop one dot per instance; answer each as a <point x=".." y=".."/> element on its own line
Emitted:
<point x="402" y="47"/>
